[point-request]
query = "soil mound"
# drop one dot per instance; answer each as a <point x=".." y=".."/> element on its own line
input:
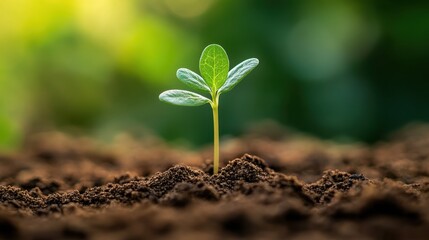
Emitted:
<point x="72" y="191"/>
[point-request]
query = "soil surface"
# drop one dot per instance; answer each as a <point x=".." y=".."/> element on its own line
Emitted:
<point x="272" y="185"/>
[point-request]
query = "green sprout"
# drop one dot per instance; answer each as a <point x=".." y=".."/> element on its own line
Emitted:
<point x="216" y="79"/>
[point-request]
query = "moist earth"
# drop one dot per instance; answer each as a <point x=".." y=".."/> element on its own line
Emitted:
<point x="273" y="184"/>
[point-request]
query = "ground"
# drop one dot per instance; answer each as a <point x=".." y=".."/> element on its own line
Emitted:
<point x="273" y="184"/>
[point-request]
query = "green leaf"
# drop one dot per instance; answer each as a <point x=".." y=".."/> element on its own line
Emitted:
<point x="192" y="79"/>
<point x="183" y="98"/>
<point x="238" y="73"/>
<point x="214" y="66"/>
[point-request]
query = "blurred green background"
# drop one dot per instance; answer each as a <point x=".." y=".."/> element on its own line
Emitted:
<point x="348" y="70"/>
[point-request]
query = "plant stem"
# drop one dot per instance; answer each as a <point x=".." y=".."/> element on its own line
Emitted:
<point x="215" y="135"/>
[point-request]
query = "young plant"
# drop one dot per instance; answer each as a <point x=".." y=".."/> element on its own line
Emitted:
<point x="216" y="79"/>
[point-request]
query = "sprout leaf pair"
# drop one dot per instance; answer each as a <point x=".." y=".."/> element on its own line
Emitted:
<point x="215" y="79"/>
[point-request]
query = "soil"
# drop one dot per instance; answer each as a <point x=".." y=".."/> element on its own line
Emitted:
<point x="272" y="185"/>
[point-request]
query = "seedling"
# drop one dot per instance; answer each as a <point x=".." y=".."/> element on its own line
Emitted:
<point x="214" y="67"/>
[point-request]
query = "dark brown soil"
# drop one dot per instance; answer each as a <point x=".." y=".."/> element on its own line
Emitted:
<point x="290" y="187"/>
